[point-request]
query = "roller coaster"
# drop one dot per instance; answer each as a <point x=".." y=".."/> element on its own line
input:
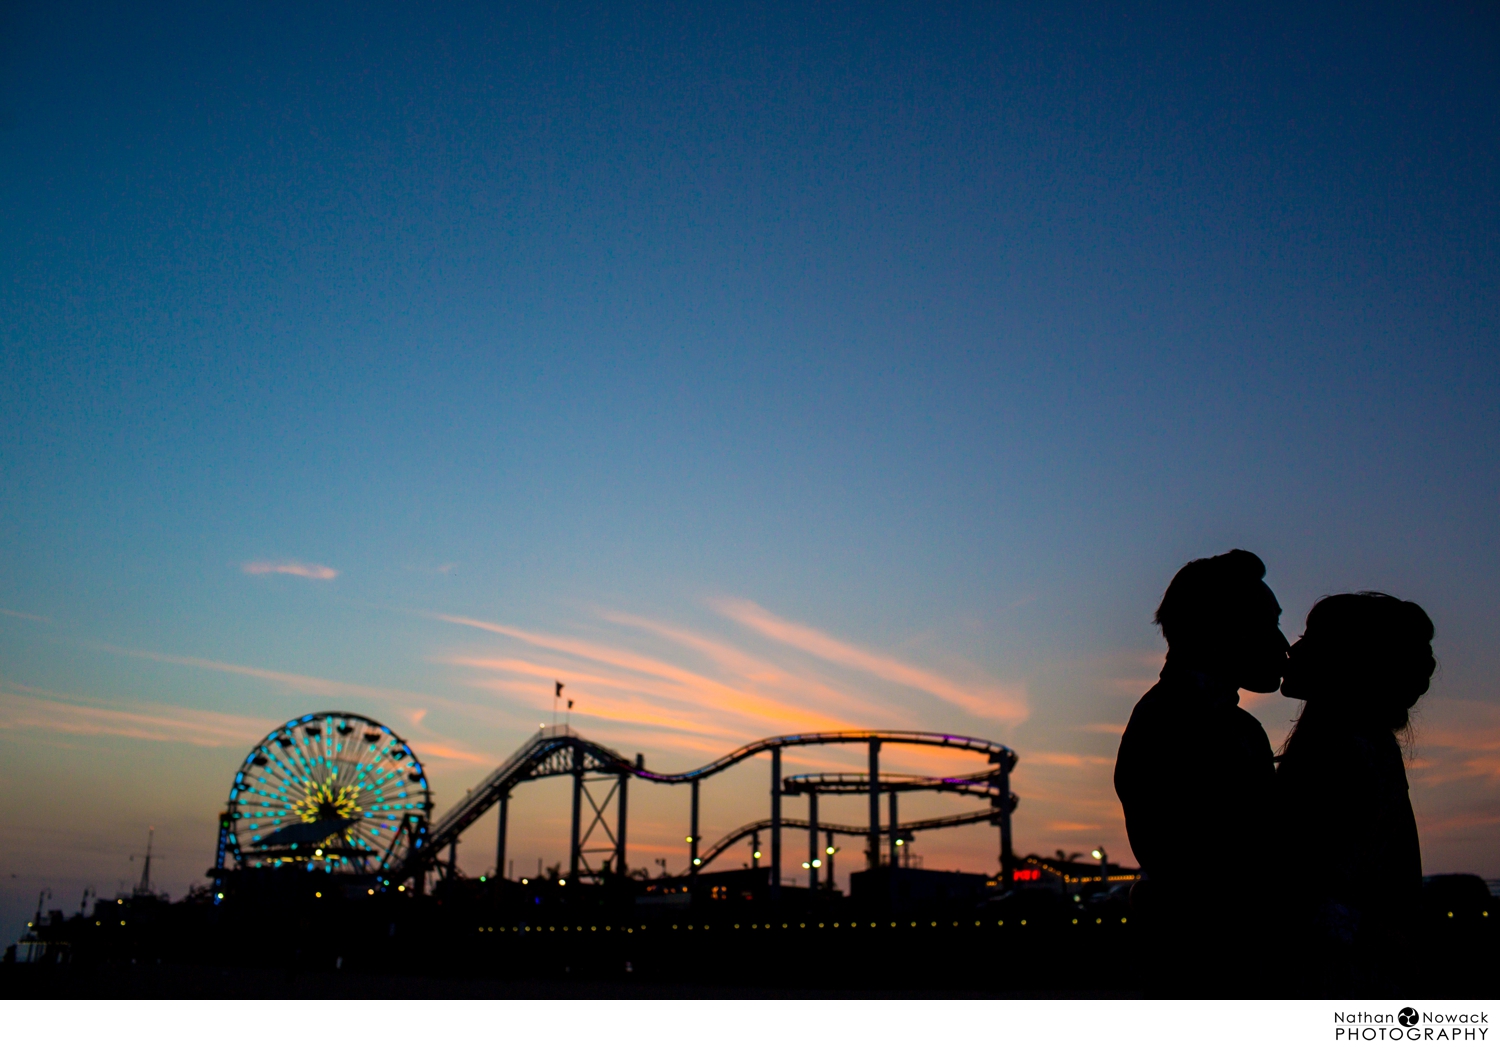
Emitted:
<point x="338" y="791"/>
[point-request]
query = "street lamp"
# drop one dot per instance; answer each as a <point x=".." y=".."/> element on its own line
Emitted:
<point x="829" y="879"/>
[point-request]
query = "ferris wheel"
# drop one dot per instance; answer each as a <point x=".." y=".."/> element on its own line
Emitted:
<point x="331" y="791"/>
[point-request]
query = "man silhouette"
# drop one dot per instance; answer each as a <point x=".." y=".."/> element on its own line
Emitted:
<point x="1196" y="778"/>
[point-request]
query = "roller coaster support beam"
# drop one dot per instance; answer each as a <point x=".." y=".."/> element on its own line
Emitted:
<point x="620" y="868"/>
<point x="575" y="862"/>
<point x="775" y="823"/>
<point x="500" y="830"/>
<point x="872" y="848"/>
<point x="693" y="835"/>
<point x="895" y="832"/>
<point x="1005" y="804"/>
<point x="813" y="860"/>
<point x="828" y="854"/>
<point x="453" y="860"/>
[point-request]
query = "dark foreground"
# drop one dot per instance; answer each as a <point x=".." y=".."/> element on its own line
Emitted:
<point x="162" y="981"/>
<point x="324" y="939"/>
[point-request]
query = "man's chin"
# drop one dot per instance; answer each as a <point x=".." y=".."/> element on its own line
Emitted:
<point x="1264" y="685"/>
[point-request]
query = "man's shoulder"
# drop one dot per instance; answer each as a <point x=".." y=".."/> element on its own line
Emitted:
<point x="1168" y="710"/>
<point x="1164" y="702"/>
<point x="1155" y="721"/>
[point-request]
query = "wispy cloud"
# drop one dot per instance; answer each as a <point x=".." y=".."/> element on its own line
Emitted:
<point x="429" y="749"/>
<point x="1001" y="704"/>
<point x="307" y="685"/>
<point x="25" y="616"/>
<point x="1062" y="758"/>
<point x="289" y="568"/>
<point x="615" y="698"/>
<point x="1458" y="740"/>
<point x="22" y="707"/>
<point x="650" y="678"/>
<point x="710" y="699"/>
<point x="762" y="673"/>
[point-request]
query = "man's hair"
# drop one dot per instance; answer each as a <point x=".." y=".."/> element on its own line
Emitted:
<point x="1206" y="594"/>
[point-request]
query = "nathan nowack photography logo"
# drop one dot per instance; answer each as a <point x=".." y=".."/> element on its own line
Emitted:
<point x="1411" y="1025"/>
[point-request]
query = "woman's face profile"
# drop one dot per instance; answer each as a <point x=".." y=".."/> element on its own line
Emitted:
<point x="1298" y="683"/>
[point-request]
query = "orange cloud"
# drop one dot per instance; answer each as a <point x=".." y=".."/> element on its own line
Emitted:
<point x="757" y="671"/>
<point x="1058" y="758"/>
<point x="668" y="679"/>
<point x="1457" y="740"/>
<point x="289" y="568"/>
<point x="1002" y="705"/>
<point x="429" y="749"/>
<point x="631" y="708"/>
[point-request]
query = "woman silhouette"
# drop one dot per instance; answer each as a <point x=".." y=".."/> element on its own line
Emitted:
<point x="1354" y="863"/>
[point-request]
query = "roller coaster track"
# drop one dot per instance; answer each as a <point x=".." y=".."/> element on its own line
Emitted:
<point x="998" y="753"/>
<point x="978" y="816"/>
<point x="560" y="751"/>
<point x="980" y="783"/>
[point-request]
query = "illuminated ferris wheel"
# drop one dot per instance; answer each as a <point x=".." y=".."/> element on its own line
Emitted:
<point x="331" y="791"/>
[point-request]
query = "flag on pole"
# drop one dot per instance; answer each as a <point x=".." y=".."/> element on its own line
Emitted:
<point x="559" y="689"/>
<point x="570" y="704"/>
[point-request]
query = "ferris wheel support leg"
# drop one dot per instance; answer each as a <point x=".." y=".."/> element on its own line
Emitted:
<point x="221" y="852"/>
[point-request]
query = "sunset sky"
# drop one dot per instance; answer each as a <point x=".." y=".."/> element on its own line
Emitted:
<point x="749" y="369"/>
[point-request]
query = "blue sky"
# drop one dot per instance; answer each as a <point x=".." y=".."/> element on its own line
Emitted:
<point x="943" y="334"/>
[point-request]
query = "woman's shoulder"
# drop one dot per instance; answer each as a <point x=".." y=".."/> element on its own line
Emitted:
<point x="1353" y="759"/>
